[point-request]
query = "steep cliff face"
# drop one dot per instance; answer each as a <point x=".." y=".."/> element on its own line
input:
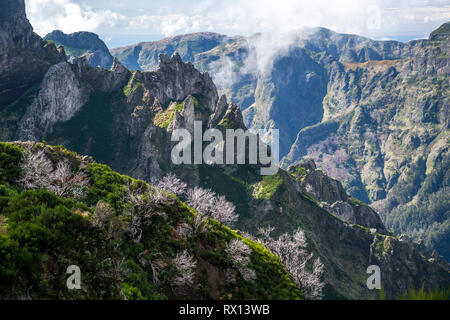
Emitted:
<point x="80" y="44"/>
<point x="125" y="119"/>
<point x="60" y="97"/>
<point x="385" y="133"/>
<point x="24" y="57"/>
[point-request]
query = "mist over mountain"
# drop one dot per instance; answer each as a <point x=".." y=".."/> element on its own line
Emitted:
<point x="343" y="100"/>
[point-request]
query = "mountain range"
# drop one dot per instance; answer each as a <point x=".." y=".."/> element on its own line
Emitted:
<point x="317" y="93"/>
<point x="372" y="114"/>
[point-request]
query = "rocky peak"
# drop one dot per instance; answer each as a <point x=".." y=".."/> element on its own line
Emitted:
<point x="163" y="59"/>
<point x="117" y="66"/>
<point x="24" y="57"/>
<point x="333" y="196"/>
<point x="87" y="43"/>
<point x="221" y="108"/>
<point x="441" y="33"/>
<point x="15" y="29"/>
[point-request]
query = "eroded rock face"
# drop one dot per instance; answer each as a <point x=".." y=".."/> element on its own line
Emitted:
<point x="174" y="80"/>
<point x="91" y="46"/>
<point x="60" y="97"/>
<point x="72" y="95"/>
<point x="24" y="57"/>
<point x="117" y="124"/>
<point x="15" y="29"/>
<point x="333" y="196"/>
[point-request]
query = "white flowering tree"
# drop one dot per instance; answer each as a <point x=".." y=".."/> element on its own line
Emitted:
<point x="239" y="253"/>
<point x="38" y="172"/>
<point x="224" y="211"/>
<point x="172" y="184"/>
<point x="201" y="200"/>
<point x="185" y="265"/>
<point x="291" y="249"/>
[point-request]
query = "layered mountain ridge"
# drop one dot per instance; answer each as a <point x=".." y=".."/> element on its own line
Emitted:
<point x="373" y="114"/>
<point x="83" y="44"/>
<point x="125" y="118"/>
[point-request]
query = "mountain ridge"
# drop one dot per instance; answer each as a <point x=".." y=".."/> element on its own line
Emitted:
<point x="125" y="118"/>
<point x="83" y="44"/>
<point x="314" y="84"/>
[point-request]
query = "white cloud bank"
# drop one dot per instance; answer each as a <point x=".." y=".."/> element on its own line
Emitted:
<point x="375" y="18"/>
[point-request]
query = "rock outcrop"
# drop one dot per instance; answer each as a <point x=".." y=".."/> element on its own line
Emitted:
<point x="24" y="56"/>
<point x="83" y="44"/>
<point x="124" y="119"/>
<point x="333" y="196"/>
<point x="60" y="97"/>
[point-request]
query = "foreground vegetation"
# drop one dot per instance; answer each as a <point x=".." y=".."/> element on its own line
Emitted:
<point x="130" y="240"/>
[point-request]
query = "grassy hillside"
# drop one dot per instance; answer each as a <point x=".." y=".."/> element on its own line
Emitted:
<point x="128" y="238"/>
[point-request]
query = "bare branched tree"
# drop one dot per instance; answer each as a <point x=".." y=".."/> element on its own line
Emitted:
<point x="239" y="253"/>
<point x="208" y="203"/>
<point x="201" y="200"/>
<point x="291" y="249"/>
<point x="185" y="265"/>
<point x="172" y="184"/>
<point x="199" y="223"/>
<point x="159" y="196"/>
<point x="265" y="232"/>
<point x="224" y="211"/>
<point x="38" y="173"/>
<point x="156" y="266"/>
<point x="145" y="259"/>
<point x="36" y="169"/>
<point x="141" y="208"/>
<point x="134" y="227"/>
<point x="65" y="183"/>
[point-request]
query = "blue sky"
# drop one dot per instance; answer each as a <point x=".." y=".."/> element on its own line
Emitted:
<point x="120" y="22"/>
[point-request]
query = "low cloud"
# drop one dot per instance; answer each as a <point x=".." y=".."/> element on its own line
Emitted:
<point x="237" y="17"/>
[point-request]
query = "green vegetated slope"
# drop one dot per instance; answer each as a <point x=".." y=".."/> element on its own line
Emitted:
<point x="344" y="248"/>
<point x="25" y="71"/>
<point x="122" y="119"/>
<point x="42" y="234"/>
